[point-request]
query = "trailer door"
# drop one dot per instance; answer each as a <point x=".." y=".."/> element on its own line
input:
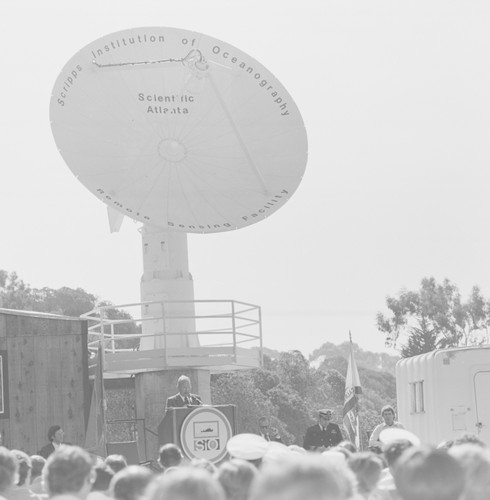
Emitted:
<point x="482" y="405"/>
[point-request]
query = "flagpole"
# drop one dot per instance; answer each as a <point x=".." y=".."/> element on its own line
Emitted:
<point x="357" y="399"/>
<point x="351" y="406"/>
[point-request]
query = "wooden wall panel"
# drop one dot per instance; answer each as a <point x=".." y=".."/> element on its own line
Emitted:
<point x="3" y="326"/>
<point x="53" y="375"/>
<point x="42" y="405"/>
<point x="14" y="346"/>
<point x="4" y="422"/>
<point x="72" y="387"/>
<point x="22" y="385"/>
<point x="46" y="378"/>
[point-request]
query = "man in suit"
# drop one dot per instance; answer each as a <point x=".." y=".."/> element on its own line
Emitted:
<point x="324" y="434"/>
<point x="183" y="398"/>
<point x="267" y="432"/>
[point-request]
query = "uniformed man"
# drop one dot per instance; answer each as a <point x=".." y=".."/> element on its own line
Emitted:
<point x="324" y="434"/>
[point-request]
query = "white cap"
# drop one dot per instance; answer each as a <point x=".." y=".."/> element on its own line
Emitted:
<point x="334" y="457"/>
<point x="247" y="446"/>
<point x="276" y="452"/>
<point x="394" y="434"/>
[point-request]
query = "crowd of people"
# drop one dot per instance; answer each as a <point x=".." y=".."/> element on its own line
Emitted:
<point x="258" y="469"/>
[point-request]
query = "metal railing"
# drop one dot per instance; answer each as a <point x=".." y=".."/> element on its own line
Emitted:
<point x="215" y="323"/>
<point x="129" y="430"/>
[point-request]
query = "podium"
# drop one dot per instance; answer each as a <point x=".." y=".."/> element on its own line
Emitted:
<point x="199" y="431"/>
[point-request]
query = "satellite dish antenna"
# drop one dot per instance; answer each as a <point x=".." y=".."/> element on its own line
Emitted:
<point x="180" y="131"/>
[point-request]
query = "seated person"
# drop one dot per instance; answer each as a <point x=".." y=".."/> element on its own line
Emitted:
<point x="55" y="437"/>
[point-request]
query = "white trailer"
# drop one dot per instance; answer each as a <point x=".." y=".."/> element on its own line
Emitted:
<point x="444" y="394"/>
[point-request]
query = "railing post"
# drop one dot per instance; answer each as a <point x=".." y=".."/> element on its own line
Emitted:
<point x="102" y="339"/>
<point x="233" y="325"/>
<point x="113" y="342"/>
<point x="164" y="333"/>
<point x="260" y="335"/>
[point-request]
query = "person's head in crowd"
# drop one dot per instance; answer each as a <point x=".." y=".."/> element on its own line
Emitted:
<point x="69" y="470"/>
<point x="335" y="458"/>
<point x="8" y="469"/>
<point x="308" y="477"/>
<point x="340" y="449"/>
<point x="367" y="467"/>
<point x="424" y="473"/>
<point x="236" y="477"/>
<point x="38" y="462"/>
<point x="445" y="445"/>
<point x="103" y="477"/>
<point x="394" y="450"/>
<point x="348" y="445"/>
<point x="475" y="461"/>
<point x="388" y="414"/>
<point x="116" y="462"/>
<point x="249" y="447"/>
<point x="297" y="449"/>
<point x="55" y="434"/>
<point x="203" y="463"/>
<point x="375" y="449"/>
<point x="170" y="470"/>
<point x="170" y="456"/>
<point x="276" y="452"/>
<point x="185" y="483"/>
<point x="130" y="483"/>
<point x="184" y="386"/>
<point x="25" y="466"/>
<point x="469" y="439"/>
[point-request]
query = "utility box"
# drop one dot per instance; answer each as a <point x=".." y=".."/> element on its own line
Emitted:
<point x="444" y="394"/>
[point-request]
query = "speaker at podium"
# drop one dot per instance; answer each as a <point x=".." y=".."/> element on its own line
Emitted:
<point x="199" y="431"/>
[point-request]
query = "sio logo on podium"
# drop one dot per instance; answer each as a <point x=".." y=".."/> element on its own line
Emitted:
<point x="204" y="434"/>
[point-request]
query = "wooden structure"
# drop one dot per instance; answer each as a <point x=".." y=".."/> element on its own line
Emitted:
<point x="44" y="378"/>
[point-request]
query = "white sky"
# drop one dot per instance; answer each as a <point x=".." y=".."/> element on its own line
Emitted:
<point x="396" y="101"/>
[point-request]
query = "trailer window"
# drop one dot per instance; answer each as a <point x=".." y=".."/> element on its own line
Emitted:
<point x="417" y="397"/>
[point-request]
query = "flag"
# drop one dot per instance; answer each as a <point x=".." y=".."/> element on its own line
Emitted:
<point x="351" y="406"/>
<point x="95" y="434"/>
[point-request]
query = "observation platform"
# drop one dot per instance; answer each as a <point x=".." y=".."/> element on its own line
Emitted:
<point x="227" y="336"/>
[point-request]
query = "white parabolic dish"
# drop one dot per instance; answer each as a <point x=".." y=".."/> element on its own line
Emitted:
<point x="178" y="130"/>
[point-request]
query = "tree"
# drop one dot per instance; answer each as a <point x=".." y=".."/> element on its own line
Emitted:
<point x="239" y="389"/>
<point x="380" y="361"/>
<point x="15" y="294"/>
<point x="434" y="317"/>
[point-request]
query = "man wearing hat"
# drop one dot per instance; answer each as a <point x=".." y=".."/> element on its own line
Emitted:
<point x="249" y="447"/>
<point x="324" y="434"/>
